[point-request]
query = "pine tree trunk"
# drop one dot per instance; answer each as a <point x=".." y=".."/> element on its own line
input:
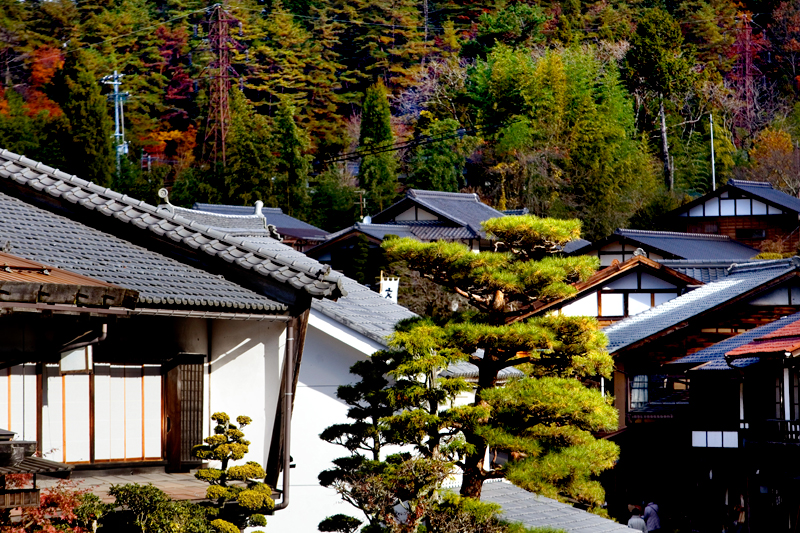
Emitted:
<point x="472" y="482"/>
<point x="669" y="176"/>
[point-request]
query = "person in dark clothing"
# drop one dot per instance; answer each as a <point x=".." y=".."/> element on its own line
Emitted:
<point x="651" y="517"/>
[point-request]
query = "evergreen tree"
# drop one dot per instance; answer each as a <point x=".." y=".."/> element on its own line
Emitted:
<point x="657" y="64"/>
<point x="545" y="420"/>
<point x="378" y="172"/>
<point x="439" y="164"/>
<point x="88" y="141"/>
<point x="250" y="164"/>
<point x="292" y="164"/>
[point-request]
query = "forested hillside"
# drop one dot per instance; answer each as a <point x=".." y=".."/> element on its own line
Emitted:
<point x="596" y="110"/>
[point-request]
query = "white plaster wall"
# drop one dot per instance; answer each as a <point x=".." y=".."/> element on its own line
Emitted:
<point x="244" y="377"/>
<point x="330" y="350"/>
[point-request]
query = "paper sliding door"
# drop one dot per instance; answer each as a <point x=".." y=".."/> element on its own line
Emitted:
<point x="18" y="400"/>
<point x="127" y="412"/>
<point x="119" y="405"/>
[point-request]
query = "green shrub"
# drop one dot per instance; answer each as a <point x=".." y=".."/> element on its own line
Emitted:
<point x="223" y="526"/>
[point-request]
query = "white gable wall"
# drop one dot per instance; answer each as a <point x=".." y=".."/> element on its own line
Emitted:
<point x="246" y="366"/>
<point x="330" y="350"/>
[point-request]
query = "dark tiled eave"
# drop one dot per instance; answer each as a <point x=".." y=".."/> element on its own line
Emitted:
<point x="315" y="279"/>
<point x="35" y="465"/>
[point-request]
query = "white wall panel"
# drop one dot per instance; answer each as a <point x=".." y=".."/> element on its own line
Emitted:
<point x="52" y="415"/>
<point x="611" y="305"/>
<point x="76" y="414"/>
<point x="626" y="282"/>
<point x="102" y="412"/>
<point x="712" y="207"/>
<point x="152" y="411"/>
<point x="116" y="402"/>
<point x="774" y="211"/>
<point x="743" y="206"/>
<point x="696" y="211"/>
<point x="638" y="302"/>
<point x="662" y="297"/>
<point x="759" y="208"/>
<point x="134" y="415"/>
<point x="727" y="208"/>
<point x="652" y="282"/>
<point x="586" y="306"/>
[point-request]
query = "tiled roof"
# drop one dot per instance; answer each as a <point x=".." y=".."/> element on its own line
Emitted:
<point x="706" y="271"/>
<point x="515" y="212"/>
<point x="245" y="217"/>
<point x="691" y="245"/>
<point x="784" y="339"/>
<point x="54" y="240"/>
<point x="469" y="371"/>
<point x="740" y="280"/>
<point x="364" y="311"/>
<point x="462" y="209"/>
<point x="765" y="191"/>
<point x="534" y="510"/>
<point x="577" y="244"/>
<point x="713" y="357"/>
<point x="308" y="275"/>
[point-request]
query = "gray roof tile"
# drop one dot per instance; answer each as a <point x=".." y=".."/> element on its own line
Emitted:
<point x="462" y="209"/>
<point x="740" y="280"/>
<point x="245" y="219"/>
<point x="765" y="191"/>
<point x="42" y="236"/>
<point x="307" y="275"/>
<point x="534" y="510"/>
<point x="364" y="311"/>
<point x="713" y="357"/>
<point x="691" y="245"/>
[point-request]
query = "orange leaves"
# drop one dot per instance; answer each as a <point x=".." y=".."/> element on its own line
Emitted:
<point x="46" y="62"/>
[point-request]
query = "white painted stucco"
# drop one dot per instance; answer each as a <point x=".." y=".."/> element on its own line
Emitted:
<point x="244" y="377"/>
<point x="330" y="350"/>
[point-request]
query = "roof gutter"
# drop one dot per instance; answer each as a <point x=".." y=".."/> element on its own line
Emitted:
<point x="182" y="313"/>
<point x="288" y="381"/>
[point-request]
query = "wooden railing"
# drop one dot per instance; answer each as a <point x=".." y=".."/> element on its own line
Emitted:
<point x="772" y="430"/>
<point x="11" y="498"/>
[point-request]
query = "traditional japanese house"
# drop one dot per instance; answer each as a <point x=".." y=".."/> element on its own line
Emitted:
<point x="657" y="245"/>
<point x="423" y="215"/>
<point x="653" y="397"/>
<point x="744" y="426"/>
<point x="218" y="325"/>
<point x="750" y="212"/>
<point x="623" y="289"/>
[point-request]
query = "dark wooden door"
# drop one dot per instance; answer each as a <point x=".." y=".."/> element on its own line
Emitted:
<point x="183" y="415"/>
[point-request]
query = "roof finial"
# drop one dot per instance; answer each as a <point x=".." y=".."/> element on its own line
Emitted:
<point x="164" y="194"/>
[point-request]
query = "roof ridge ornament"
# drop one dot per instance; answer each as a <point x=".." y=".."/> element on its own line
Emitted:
<point x="163" y="193"/>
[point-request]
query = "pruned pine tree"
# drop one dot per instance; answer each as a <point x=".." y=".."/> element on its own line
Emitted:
<point x="546" y="419"/>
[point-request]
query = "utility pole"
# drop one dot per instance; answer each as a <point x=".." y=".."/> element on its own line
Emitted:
<point x="713" y="169"/>
<point x="219" y="114"/>
<point x="120" y="144"/>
